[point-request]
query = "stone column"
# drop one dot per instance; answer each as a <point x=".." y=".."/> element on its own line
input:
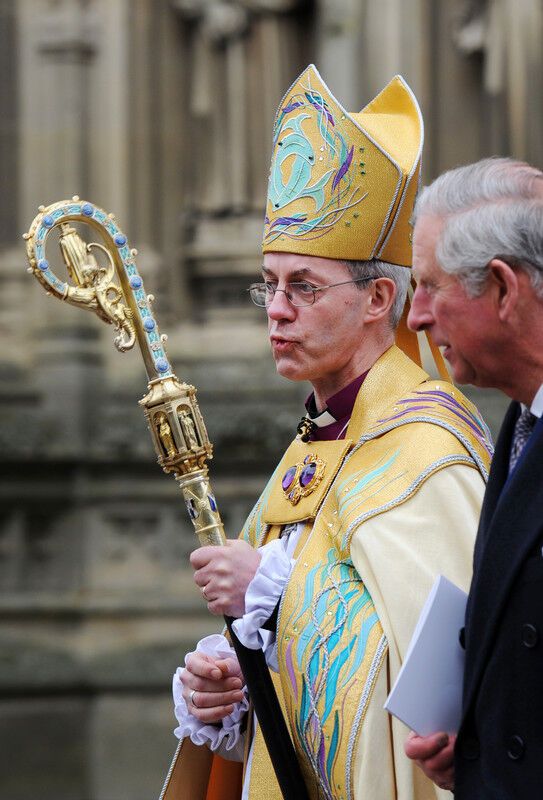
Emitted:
<point x="362" y="45"/>
<point x="342" y="42"/>
<point x="507" y="35"/>
<point x="57" y="43"/>
<point x="16" y="320"/>
<point x="8" y="128"/>
<point x="107" y="106"/>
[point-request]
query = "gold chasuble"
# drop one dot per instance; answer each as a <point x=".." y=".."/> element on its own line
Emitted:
<point x="385" y="509"/>
<point x="332" y="640"/>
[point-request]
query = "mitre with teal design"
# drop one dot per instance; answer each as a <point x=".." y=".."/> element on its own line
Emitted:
<point x="342" y="185"/>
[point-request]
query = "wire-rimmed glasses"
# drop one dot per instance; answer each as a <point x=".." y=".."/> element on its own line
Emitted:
<point x="298" y="293"/>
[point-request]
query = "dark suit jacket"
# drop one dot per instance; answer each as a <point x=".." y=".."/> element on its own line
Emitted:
<point x="499" y="750"/>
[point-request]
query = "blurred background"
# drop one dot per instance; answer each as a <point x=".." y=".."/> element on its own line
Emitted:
<point x="161" y="111"/>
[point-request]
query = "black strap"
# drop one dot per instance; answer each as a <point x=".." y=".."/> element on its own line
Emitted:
<point x="270" y="718"/>
<point x="271" y="622"/>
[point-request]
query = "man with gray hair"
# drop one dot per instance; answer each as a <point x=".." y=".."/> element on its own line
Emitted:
<point x="478" y="261"/>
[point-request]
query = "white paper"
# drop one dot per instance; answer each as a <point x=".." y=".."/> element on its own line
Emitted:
<point x="427" y="694"/>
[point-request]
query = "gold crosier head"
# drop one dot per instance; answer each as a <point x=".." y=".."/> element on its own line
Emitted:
<point x="114" y="291"/>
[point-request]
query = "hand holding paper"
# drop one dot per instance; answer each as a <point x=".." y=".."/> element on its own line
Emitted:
<point x="435" y="756"/>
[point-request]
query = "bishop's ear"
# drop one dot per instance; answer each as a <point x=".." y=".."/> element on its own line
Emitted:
<point x="382" y="294"/>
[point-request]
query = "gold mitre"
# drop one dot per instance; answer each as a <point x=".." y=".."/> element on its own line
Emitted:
<point x="342" y="185"/>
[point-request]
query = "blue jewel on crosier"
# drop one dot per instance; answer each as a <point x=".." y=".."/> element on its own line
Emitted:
<point x="191" y="508"/>
<point x="136" y="282"/>
<point x="87" y="209"/>
<point x="119" y="239"/>
<point x="43" y="264"/>
<point x="48" y="221"/>
<point x="162" y="365"/>
<point x="149" y="324"/>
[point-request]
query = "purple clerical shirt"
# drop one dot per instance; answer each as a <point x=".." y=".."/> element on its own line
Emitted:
<point x="340" y="406"/>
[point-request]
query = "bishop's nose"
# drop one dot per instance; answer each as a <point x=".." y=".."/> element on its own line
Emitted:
<point x="280" y="307"/>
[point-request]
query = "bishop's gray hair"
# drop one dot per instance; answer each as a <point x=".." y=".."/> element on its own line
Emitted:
<point x="382" y="269"/>
<point x="491" y="209"/>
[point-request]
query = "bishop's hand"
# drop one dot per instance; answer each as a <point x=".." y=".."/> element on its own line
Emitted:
<point x="211" y="686"/>
<point x="223" y="574"/>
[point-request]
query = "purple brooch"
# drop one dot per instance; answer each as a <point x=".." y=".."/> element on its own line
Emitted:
<point x="303" y="478"/>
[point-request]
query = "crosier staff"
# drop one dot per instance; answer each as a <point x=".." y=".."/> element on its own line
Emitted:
<point x="114" y="291"/>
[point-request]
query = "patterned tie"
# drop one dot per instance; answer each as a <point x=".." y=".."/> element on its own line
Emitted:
<point x="523" y="428"/>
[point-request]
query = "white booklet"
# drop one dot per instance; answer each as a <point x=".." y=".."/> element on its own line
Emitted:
<point x="427" y="694"/>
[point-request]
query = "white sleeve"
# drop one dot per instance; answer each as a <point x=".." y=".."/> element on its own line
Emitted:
<point x="225" y="738"/>
<point x="398" y="555"/>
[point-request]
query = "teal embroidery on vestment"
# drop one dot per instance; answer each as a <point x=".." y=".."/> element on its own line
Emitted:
<point x="333" y="626"/>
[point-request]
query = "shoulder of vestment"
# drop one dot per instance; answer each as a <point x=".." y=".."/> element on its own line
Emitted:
<point x="404" y="428"/>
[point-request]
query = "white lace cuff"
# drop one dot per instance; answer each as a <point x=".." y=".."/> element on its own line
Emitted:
<point x="226" y="737"/>
<point x="263" y="594"/>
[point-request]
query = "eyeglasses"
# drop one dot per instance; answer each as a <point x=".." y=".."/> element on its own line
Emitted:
<point x="298" y="293"/>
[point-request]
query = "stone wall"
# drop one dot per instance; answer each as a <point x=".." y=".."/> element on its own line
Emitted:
<point x="161" y="111"/>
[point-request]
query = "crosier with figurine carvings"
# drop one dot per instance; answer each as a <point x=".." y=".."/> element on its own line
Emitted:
<point x="105" y="280"/>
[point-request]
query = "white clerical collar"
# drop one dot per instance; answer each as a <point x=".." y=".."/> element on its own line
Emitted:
<point x="537" y="403"/>
<point x="322" y="419"/>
